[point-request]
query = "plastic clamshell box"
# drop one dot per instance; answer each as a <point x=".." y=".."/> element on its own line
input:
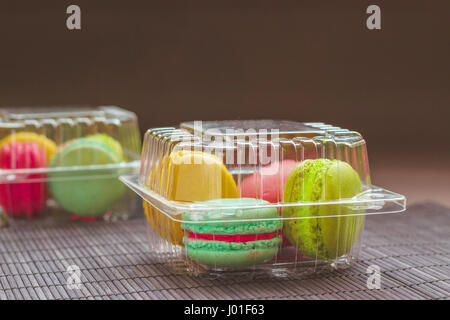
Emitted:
<point x="214" y="196"/>
<point x="35" y="182"/>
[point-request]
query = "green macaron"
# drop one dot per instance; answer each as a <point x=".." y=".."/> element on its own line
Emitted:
<point x="232" y="238"/>
<point x="83" y="191"/>
<point x="315" y="233"/>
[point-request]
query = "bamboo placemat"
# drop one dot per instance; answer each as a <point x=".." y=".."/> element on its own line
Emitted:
<point x="412" y="250"/>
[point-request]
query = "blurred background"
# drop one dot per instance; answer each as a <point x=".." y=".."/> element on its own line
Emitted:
<point x="171" y="61"/>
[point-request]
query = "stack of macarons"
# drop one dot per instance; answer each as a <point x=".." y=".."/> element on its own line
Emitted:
<point x="233" y="238"/>
<point x="76" y="174"/>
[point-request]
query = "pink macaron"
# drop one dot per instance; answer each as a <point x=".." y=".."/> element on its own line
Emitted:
<point x="268" y="183"/>
<point x="27" y="198"/>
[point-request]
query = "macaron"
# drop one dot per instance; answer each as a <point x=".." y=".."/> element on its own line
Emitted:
<point x="214" y="238"/>
<point x="315" y="235"/>
<point x="187" y="176"/>
<point x="110" y="142"/>
<point x="24" y="136"/>
<point x="27" y="198"/>
<point x="87" y="192"/>
<point x="268" y="182"/>
<point x="198" y="176"/>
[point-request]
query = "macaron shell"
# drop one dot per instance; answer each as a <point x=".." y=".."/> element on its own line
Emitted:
<point x="319" y="180"/>
<point x="269" y="182"/>
<point x="98" y="191"/>
<point x="228" y="210"/>
<point x="83" y="153"/>
<point x="108" y="141"/>
<point x="28" y="198"/>
<point x="232" y="255"/>
<point x="340" y="233"/>
<point x="198" y="176"/>
<point x="230" y="228"/>
<point x="166" y="227"/>
<point x="298" y="188"/>
<point x="48" y="145"/>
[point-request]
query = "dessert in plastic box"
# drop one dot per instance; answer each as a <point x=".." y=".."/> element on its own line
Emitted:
<point x="261" y="196"/>
<point x="66" y="162"/>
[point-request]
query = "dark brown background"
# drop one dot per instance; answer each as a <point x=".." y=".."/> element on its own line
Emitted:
<point x="303" y="60"/>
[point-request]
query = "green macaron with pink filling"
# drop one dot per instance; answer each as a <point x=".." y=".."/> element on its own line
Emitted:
<point x="230" y="237"/>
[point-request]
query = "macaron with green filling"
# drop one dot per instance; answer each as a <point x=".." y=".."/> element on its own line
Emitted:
<point x="232" y="238"/>
<point x="312" y="230"/>
<point x="87" y="192"/>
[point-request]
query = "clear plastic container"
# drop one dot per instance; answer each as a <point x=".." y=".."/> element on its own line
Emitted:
<point x="66" y="162"/>
<point x="262" y="196"/>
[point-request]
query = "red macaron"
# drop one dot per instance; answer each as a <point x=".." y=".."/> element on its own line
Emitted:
<point x="29" y="197"/>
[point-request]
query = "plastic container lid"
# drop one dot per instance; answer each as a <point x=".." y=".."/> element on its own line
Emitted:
<point x="256" y="154"/>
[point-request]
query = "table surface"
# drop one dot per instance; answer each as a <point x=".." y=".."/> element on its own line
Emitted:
<point x="412" y="250"/>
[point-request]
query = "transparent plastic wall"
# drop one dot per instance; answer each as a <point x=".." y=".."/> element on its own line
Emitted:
<point x="66" y="162"/>
<point x="264" y="195"/>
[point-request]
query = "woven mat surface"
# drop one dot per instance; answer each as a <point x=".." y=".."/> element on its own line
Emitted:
<point x="412" y="250"/>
